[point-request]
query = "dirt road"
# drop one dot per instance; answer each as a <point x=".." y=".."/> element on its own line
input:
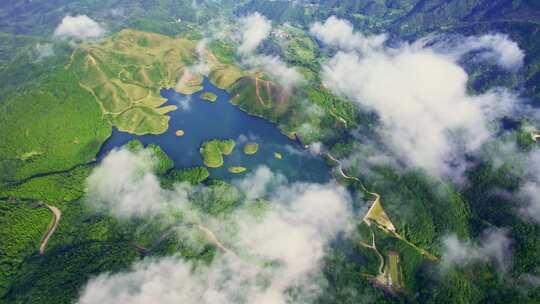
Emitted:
<point x="52" y="227"/>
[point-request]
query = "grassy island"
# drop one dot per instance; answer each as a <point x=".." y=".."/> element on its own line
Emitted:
<point x="212" y="151"/>
<point x="278" y="155"/>
<point x="237" y="169"/>
<point x="208" y="96"/>
<point x="251" y="148"/>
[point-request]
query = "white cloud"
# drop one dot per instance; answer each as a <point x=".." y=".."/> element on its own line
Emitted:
<point x="124" y="185"/>
<point x="531" y="189"/>
<point x="201" y="67"/>
<point x="44" y="50"/>
<point x="316" y="148"/>
<point x="260" y="183"/>
<point x="80" y="27"/>
<point x="421" y="97"/>
<point x="184" y="104"/>
<point x="340" y="33"/>
<point x="493" y="47"/>
<point x="493" y="246"/>
<point x="254" y="29"/>
<point x="276" y="68"/>
<point x="271" y="253"/>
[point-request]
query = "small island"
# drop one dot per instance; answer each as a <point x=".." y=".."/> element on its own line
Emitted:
<point x="179" y="133"/>
<point x="251" y="148"/>
<point x="213" y="151"/>
<point x="208" y="96"/>
<point x="278" y="155"/>
<point x="237" y="169"/>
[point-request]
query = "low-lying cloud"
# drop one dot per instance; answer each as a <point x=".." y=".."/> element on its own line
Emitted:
<point x="125" y="186"/>
<point x="44" y="50"/>
<point x="260" y="183"/>
<point x="268" y="254"/>
<point x="340" y="33"/>
<point x="498" y="48"/>
<point x="80" y="27"/>
<point x="494" y="245"/>
<point x="254" y="29"/>
<point x="421" y="97"/>
<point x="531" y="189"/>
<point x="276" y="68"/>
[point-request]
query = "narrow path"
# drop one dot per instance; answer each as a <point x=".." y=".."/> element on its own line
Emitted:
<point x="257" y="90"/>
<point x="423" y="252"/>
<point x="212" y="239"/>
<point x="342" y="172"/>
<point x="373" y="247"/>
<point x="52" y="227"/>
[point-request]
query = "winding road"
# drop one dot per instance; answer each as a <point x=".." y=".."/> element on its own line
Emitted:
<point x="423" y="252"/>
<point x="57" y="214"/>
<point x="210" y="237"/>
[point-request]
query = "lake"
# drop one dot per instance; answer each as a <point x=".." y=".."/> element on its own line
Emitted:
<point x="202" y="120"/>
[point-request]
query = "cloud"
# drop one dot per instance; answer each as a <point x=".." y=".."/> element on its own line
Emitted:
<point x="201" y="67"/>
<point x="276" y="68"/>
<point x="519" y="163"/>
<point x="531" y="189"/>
<point x="429" y="119"/>
<point x="254" y="29"/>
<point x="493" y="246"/>
<point x="340" y="33"/>
<point x="184" y="104"/>
<point x="316" y="148"/>
<point x="498" y="48"/>
<point x="269" y="253"/>
<point x="125" y="186"/>
<point x="80" y="27"/>
<point x="44" y="50"/>
<point x="260" y="183"/>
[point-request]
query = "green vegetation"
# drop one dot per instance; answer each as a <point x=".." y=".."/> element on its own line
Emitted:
<point x="278" y="156"/>
<point x="292" y="109"/>
<point x="126" y="72"/>
<point x="251" y="148"/>
<point x="345" y="112"/>
<point x="189" y="83"/>
<point x="394" y="270"/>
<point x="193" y="176"/>
<point x="69" y="131"/>
<point x="84" y="244"/>
<point x="52" y="188"/>
<point x="219" y="198"/>
<point x="377" y="214"/>
<point x="225" y="75"/>
<point x="163" y="163"/>
<point x="237" y="169"/>
<point x="23" y="225"/>
<point x="53" y="127"/>
<point x="209" y="96"/>
<point x="213" y="151"/>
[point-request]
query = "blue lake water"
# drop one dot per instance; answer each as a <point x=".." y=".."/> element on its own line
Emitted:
<point x="202" y="120"/>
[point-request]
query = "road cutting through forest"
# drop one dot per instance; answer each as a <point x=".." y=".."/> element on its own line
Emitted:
<point x="376" y="202"/>
<point x="57" y="214"/>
